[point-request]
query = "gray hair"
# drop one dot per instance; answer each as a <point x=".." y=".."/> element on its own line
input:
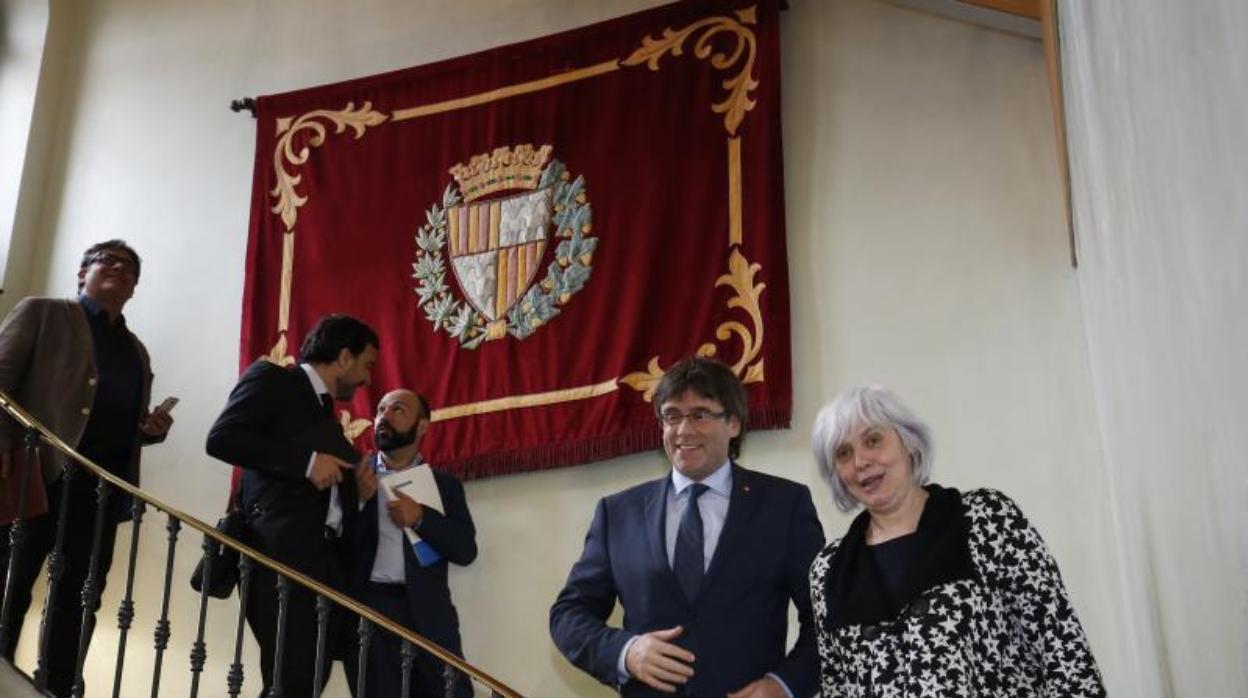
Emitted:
<point x="867" y="407"/>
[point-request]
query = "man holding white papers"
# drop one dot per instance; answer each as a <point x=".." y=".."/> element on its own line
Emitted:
<point x="414" y="521"/>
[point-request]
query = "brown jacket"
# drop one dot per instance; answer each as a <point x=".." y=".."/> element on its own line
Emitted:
<point x="47" y="364"/>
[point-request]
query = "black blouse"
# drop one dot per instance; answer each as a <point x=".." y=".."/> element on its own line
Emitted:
<point x="869" y="584"/>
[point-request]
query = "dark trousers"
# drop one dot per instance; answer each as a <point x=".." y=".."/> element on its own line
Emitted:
<point x="384" y="672"/>
<point x="66" y="621"/>
<point x="300" y="638"/>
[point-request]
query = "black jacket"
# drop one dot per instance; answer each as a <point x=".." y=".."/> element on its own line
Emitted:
<point x="452" y="534"/>
<point x="271" y="425"/>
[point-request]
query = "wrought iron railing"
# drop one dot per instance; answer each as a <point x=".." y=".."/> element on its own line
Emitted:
<point x="455" y="669"/>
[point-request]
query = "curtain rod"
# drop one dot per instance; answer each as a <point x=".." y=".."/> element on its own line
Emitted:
<point x="247" y="103"/>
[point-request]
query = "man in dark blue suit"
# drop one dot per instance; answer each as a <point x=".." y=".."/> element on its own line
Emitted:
<point x="402" y="580"/>
<point x="704" y="562"/>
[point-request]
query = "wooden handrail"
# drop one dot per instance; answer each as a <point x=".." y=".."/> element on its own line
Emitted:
<point x="29" y="422"/>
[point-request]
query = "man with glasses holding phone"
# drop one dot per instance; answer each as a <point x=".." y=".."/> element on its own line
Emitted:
<point x="77" y="367"/>
<point x="704" y="561"/>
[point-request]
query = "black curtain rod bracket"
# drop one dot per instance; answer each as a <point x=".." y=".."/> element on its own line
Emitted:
<point x="246" y="103"/>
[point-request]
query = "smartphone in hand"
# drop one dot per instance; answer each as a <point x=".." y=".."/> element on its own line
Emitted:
<point x="167" y="405"/>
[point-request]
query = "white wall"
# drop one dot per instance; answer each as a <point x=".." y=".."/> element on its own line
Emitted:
<point x="36" y="44"/>
<point x="1157" y="98"/>
<point x="23" y="33"/>
<point x="927" y="252"/>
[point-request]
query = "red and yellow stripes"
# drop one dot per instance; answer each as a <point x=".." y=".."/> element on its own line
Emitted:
<point x="516" y="266"/>
<point x="474" y="228"/>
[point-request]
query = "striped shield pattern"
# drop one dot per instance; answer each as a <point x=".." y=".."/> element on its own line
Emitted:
<point x="496" y="247"/>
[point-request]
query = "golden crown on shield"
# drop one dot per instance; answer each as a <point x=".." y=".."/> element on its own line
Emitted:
<point x="505" y="168"/>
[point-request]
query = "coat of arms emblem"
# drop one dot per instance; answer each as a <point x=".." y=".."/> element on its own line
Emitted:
<point x="498" y="223"/>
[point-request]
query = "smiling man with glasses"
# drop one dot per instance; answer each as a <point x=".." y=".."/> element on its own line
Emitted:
<point x="75" y="365"/>
<point x="705" y="562"/>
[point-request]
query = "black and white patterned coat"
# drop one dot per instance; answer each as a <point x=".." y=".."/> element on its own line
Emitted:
<point x="1004" y="628"/>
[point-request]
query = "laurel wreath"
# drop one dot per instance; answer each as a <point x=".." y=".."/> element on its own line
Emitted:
<point x="565" y="276"/>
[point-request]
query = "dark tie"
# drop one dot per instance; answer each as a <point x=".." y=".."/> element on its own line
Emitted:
<point x="328" y="403"/>
<point x="688" y="561"/>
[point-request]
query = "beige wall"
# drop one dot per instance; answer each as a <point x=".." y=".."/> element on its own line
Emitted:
<point x="23" y="35"/>
<point x="1157" y="96"/>
<point x="927" y="253"/>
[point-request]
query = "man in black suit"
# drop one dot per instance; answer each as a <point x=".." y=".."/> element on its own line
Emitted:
<point x="705" y="562"/>
<point x="402" y="576"/>
<point x="299" y="482"/>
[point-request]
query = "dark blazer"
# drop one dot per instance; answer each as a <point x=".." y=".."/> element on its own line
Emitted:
<point x="738" y="627"/>
<point x="453" y="535"/>
<point x="271" y="425"/>
<point x="47" y="364"/>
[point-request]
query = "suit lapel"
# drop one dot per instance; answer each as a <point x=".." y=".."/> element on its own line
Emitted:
<point x="655" y="512"/>
<point x="741" y="506"/>
<point x="81" y="328"/>
<point x="305" y="383"/>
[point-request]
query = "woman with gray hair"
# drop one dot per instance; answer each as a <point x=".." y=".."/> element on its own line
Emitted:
<point x="932" y="591"/>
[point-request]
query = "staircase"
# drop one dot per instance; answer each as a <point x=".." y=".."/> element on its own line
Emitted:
<point x="14" y="684"/>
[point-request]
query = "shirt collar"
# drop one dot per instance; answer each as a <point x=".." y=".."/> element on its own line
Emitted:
<point x="385" y="463"/>
<point x="719" y="482"/>
<point x="318" y="385"/>
<point x="97" y="311"/>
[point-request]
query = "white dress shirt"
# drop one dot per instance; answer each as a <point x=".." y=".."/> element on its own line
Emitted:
<point x="713" y="506"/>
<point x="388" y="567"/>
<point x="333" y="519"/>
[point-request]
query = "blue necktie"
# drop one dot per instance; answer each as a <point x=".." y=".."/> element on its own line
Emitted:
<point x="688" y="561"/>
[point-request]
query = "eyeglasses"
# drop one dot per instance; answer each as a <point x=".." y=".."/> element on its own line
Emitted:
<point x="698" y="417"/>
<point x="109" y="259"/>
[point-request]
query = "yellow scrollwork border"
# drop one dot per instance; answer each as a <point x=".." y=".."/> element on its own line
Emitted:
<point x="740" y="275"/>
<point x="739" y="86"/>
<point x="288" y="198"/>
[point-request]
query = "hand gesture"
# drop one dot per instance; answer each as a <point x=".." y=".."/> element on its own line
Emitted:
<point x="765" y="687"/>
<point x="156" y="424"/>
<point x="365" y="480"/>
<point x="653" y="660"/>
<point x="326" y="471"/>
<point x="405" y="511"/>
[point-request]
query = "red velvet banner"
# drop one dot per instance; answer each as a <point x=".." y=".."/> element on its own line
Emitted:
<point x="537" y="231"/>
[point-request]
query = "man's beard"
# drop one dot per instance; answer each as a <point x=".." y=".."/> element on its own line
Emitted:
<point x="387" y="439"/>
<point x="344" y="391"/>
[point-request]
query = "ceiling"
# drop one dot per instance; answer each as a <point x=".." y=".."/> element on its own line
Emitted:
<point x="1014" y="16"/>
